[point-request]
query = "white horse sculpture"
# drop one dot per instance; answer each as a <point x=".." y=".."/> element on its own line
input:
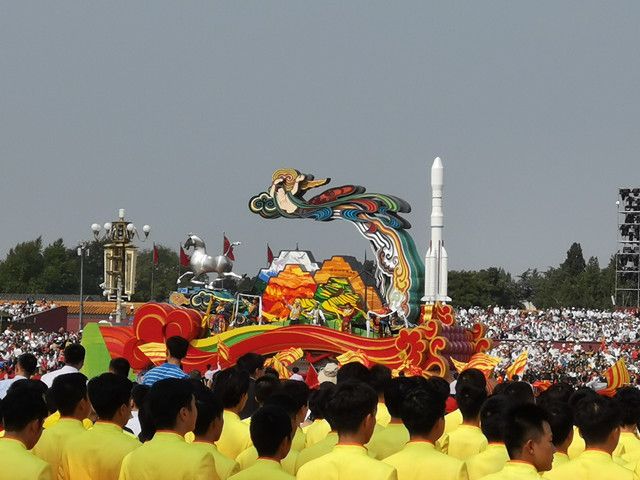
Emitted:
<point x="201" y="263"/>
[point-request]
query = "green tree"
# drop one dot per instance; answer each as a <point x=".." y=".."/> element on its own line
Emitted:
<point x="61" y="272"/>
<point x="574" y="265"/>
<point x="165" y="274"/>
<point x="21" y="269"/>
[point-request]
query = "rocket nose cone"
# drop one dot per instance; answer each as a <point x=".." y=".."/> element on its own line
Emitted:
<point x="437" y="173"/>
<point x="437" y="163"/>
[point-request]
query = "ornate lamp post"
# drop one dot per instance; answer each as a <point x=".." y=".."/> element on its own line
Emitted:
<point x="120" y="256"/>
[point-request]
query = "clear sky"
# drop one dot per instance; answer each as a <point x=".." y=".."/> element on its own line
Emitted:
<point x="180" y="111"/>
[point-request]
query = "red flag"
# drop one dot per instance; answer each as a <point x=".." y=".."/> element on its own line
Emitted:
<point x="227" y="249"/>
<point x="184" y="258"/>
<point x="312" y="377"/>
<point x="155" y="254"/>
<point x="269" y="255"/>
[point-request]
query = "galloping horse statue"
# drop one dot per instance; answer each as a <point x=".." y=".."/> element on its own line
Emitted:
<point x="201" y="263"/>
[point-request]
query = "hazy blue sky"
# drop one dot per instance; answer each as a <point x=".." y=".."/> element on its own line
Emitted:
<point x="180" y="111"/>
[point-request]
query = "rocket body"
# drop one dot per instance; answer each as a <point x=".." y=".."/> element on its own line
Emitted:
<point x="436" y="260"/>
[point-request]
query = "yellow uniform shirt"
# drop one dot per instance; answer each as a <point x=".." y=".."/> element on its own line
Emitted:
<point x="18" y="463"/>
<point x="299" y="439"/>
<point x="346" y="462"/>
<point x="54" y="439"/>
<point x="225" y="467"/>
<point x="315" y="432"/>
<point x="591" y="465"/>
<point x="559" y="458"/>
<point x="490" y="461"/>
<point x="263" y="469"/>
<point x="452" y="421"/>
<point x="515" y="470"/>
<point x="249" y="457"/>
<point x="388" y="440"/>
<point x="628" y="444"/>
<point x="319" y="449"/>
<point x="52" y="419"/>
<point x="167" y="456"/>
<point x="465" y="441"/>
<point x="577" y="444"/>
<point x="419" y="460"/>
<point x="235" y="436"/>
<point x="96" y="454"/>
<point x="383" y="417"/>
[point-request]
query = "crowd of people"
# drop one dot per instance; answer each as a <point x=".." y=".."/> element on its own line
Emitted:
<point x="246" y="423"/>
<point x="570" y="344"/>
<point x="46" y="346"/>
<point x="17" y="311"/>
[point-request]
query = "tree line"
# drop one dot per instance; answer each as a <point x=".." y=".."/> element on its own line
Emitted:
<point x="31" y="267"/>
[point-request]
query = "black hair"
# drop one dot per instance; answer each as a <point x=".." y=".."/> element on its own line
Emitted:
<point x="295" y="369"/>
<point x="22" y="405"/>
<point x="379" y="375"/>
<point x="107" y="393"/>
<point x="209" y="409"/>
<point x="558" y="392"/>
<point x="560" y="419"/>
<point x="265" y="387"/>
<point x="471" y="376"/>
<point x="580" y="394"/>
<point x="250" y="362"/>
<point x="596" y="418"/>
<point x="522" y="423"/>
<point x="441" y="386"/>
<point x="230" y="385"/>
<point x="67" y="391"/>
<point x="421" y="409"/>
<point x="629" y="400"/>
<point x="165" y="399"/>
<point x="319" y="399"/>
<point x="138" y="394"/>
<point x="350" y="404"/>
<point x="74" y="354"/>
<point x="395" y="391"/>
<point x="353" y="371"/>
<point x="284" y="401"/>
<point x="270" y="425"/>
<point x="271" y="372"/>
<point x="177" y="347"/>
<point x="470" y="398"/>
<point x="298" y="391"/>
<point x="28" y="362"/>
<point x="519" y="392"/>
<point x="120" y="366"/>
<point x="492" y="417"/>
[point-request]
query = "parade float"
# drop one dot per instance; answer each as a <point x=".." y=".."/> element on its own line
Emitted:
<point x="396" y="315"/>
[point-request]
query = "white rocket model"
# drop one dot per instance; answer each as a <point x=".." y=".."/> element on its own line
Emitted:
<point x="435" y="285"/>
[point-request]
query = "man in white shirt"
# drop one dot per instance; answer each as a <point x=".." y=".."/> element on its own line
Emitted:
<point x="25" y="367"/>
<point x="73" y="361"/>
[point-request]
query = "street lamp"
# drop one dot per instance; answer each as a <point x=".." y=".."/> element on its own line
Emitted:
<point x="119" y="258"/>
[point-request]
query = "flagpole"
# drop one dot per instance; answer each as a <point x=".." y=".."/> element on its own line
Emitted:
<point x="153" y="267"/>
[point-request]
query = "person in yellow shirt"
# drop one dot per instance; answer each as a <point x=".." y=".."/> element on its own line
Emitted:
<point x="629" y="400"/>
<point x="528" y="440"/>
<point x="560" y="419"/>
<point x="380" y="375"/>
<point x="598" y="419"/>
<point x="353" y="413"/>
<point x="231" y="386"/>
<point x="292" y="408"/>
<point x="454" y="419"/>
<point x="320" y="428"/>
<point x="167" y="456"/>
<point x="394" y="436"/>
<point x="97" y="453"/>
<point x="272" y="435"/>
<point x="492" y="417"/>
<point x="208" y="429"/>
<point x="423" y="416"/>
<point x="578" y="445"/>
<point x="69" y="395"/>
<point x="467" y="439"/>
<point x="24" y="411"/>
<point x="299" y="392"/>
